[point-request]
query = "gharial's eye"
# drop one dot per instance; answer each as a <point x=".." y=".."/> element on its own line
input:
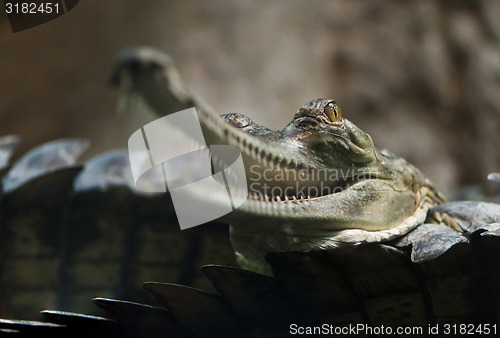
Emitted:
<point x="333" y="112"/>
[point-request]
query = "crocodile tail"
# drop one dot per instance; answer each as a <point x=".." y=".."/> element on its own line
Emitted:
<point x="361" y="288"/>
<point x="71" y="231"/>
<point x="405" y="283"/>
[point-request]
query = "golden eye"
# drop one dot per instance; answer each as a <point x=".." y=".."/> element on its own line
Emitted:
<point x="332" y="111"/>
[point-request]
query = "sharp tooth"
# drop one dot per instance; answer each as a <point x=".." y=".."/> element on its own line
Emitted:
<point x="267" y="198"/>
<point x="261" y="155"/>
<point x="286" y="198"/>
<point x="279" y="162"/>
<point x="249" y="151"/>
<point x="278" y="199"/>
<point x="255" y="156"/>
<point x="255" y="153"/>
<point x="264" y="162"/>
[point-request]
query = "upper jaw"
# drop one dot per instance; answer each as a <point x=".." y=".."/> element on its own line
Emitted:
<point x="280" y="168"/>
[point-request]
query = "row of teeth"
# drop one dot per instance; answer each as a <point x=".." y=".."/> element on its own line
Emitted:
<point x="268" y="160"/>
<point x="260" y="155"/>
<point x="265" y="198"/>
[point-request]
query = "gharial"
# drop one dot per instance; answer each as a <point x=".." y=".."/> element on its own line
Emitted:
<point x="333" y="231"/>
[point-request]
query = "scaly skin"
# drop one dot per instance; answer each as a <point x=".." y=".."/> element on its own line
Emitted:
<point x="316" y="183"/>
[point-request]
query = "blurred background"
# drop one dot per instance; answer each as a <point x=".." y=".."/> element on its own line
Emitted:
<point x="421" y="77"/>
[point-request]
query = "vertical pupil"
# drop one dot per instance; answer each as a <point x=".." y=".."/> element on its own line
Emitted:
<point x="334" y="112"/>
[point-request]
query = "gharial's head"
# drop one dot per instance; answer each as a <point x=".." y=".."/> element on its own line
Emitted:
<point x="321" y="168"/>
<point x="329" y="141"/>
<point x="317" y="144"/>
